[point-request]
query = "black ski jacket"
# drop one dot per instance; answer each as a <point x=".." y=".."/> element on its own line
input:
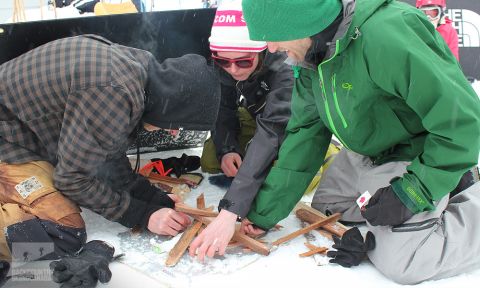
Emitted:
<point x="266" y="95"/>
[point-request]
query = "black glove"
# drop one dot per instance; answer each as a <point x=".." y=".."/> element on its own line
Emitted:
<point x="351" y="249"/>
<point x="181" y="165"/>
<point x="86" y="267"/>
<point x="385" y="208"/>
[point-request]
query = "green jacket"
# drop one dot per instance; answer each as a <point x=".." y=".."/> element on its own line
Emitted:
<point x="389" y="89"/>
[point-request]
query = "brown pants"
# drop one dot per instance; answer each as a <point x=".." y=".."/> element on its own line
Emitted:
<point x="33" y="211"/>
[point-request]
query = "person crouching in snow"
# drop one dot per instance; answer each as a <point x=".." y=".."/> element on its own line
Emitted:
<point x="255" y="85"/>
<point x="68" y="110"/>
<point x="256" y="88"/>
<point x="378" y="77"/>
<point x="435" y="12"/>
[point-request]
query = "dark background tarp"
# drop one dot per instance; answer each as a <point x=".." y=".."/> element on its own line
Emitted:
<point x="165" y="34"/>
<point x="466" y="19"/>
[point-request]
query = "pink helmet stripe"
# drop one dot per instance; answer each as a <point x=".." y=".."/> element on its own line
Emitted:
<point x="233" y="48"/>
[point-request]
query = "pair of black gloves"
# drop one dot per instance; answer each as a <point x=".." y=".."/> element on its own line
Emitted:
<point x="86" y="267"/>
<point x="83" y="269"/>
<point x="384" y="208"/>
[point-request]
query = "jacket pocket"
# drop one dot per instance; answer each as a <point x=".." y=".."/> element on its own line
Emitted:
<point x="416" y="226"/>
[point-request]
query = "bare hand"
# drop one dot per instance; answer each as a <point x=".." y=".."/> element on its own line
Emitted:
<point x="167" y="221"/>
<point x="215" y="238"/>
<point x="230" y="164"/>
<point x="248" y="228"/>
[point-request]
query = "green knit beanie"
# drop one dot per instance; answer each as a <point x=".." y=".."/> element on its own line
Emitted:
<point x="283" y="20"/>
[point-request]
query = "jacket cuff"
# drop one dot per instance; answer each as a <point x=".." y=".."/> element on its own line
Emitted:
<point x="262" y="222"/>
<point x="135" y="215"/>
<point x="409" y="190"/>
<point x="144" y="200"/>
<point x="228" y="149"/>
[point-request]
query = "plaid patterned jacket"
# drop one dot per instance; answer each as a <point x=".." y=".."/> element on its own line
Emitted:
<point x="73" y="102"/>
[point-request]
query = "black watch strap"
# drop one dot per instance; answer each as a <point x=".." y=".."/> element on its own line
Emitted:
<point x="225" y="204"/>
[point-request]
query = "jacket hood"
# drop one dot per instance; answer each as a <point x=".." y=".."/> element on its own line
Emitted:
<point x="182" y="93"/>
<point x="355" y="13"/>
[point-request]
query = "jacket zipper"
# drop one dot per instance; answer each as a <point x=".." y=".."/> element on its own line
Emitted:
<point x="327" y="106"/>
<point x="345" y="125"/>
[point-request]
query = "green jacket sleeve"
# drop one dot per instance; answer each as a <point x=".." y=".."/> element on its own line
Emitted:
<point x="429" y="79"/>
<point x="300" y="157"/>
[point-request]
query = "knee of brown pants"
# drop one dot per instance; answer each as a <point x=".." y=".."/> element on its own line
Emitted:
<point x="43" y="202"/>
<point x="56" y="208"/>
<point x="31" y="186"/>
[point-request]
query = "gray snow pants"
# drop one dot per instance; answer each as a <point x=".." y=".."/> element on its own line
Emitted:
<point x="431" y="245"/>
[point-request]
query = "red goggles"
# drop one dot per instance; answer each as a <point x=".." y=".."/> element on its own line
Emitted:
<point x="227" y="62"/>
<point x="432" y="12"/>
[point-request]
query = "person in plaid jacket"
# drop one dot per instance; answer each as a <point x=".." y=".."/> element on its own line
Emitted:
<point x="68" y="111"/>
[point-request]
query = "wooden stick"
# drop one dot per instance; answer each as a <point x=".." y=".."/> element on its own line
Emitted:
<point x="241" y="238"/>
<point x="181" y="207"/>
<point x="312" y="247"/>
<point x="309" y="228"/>
<point x="201" y="202"/>
<point x="311" y="215"/>
<point x="179" y="249"/>
<point x="313" y="250"/>
<point x="209" y="208"/>
<point x="155" y="176"/>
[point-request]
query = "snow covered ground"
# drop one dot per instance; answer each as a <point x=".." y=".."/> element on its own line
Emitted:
<point x="143" y="264"/>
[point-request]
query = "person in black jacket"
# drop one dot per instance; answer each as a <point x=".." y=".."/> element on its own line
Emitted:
<point x="256" y="88"/>
<point x="254" y="84"/>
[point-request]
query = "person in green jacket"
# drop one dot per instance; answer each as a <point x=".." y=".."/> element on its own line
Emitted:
<point x="379" y="77"/>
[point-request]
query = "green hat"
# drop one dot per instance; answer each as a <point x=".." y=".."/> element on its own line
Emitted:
<point x="283" y="20"/>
